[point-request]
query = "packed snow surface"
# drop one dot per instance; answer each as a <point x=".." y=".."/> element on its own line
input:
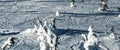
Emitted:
<point x="77" y="27"/>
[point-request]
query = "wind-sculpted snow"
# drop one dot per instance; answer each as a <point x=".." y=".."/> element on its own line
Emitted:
<point x="18" y="19"/>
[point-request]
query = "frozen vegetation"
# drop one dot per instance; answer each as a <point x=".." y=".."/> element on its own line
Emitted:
<point x="57" y="13"/>
<point x="59" y="24"/>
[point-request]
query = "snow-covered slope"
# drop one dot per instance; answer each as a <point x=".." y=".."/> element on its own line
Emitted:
<point x="19" y="16"/>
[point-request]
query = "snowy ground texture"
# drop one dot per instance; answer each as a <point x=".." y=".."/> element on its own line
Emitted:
<point x="17" y="16"/>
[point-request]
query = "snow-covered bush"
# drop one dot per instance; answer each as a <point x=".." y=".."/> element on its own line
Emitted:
<point x="111" y="31"/>
<point x="41" y="30"/>
<point x="91" y="39"/>
<point x="103" y="6"/>
<point x="119" y="15"/>
<point x="52" y="39"/>
<point x="46" y="38"/>
<point x="57" y="13"/>
<point x="9" y="43"/>
<point x="90" y="29"/>
<point x="72" y="3"/>
<point x="42" y="44"/>
<point x="90" y="42"/>
<point x="42" y="38"/>
<point x="112" y="36"/>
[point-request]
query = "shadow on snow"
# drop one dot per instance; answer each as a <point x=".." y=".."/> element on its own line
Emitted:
<point x="108" y="13"/>
<point x="71" y="31"/>
<point x="12" y="33"/>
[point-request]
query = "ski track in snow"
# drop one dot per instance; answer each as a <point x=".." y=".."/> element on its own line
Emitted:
<point x="22" y="15"/>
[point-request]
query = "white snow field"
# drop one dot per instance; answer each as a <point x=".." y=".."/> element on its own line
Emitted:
<point x="18" y="20"/>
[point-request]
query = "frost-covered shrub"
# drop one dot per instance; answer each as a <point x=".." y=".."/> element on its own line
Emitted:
<point x="57" y="13"/>
<point x="52" y="39"/>
<point x="103" y="6"/>
<point x="72" y="3"/>
<point x="90" y="42"/>
<point x="119" y="15"/>
<point x="90" y="29"/>
<point x="91" y="39"/>
<point x="47" y="40"/>
<point x="42" y="42"/>
<point x="9" y="43"/>
<point x="41" y="30"/>
<point x="112" y="36"/>
<point x="41" y="38"/>
<point x="111" y="31"/>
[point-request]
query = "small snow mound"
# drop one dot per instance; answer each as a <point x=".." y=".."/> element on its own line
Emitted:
<point x="71" y="4"/>
<point x="112" y="36"/>
<point x="57" y="13"/>
<point x="9" y="43"/>
<point x="119" y="15"/>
